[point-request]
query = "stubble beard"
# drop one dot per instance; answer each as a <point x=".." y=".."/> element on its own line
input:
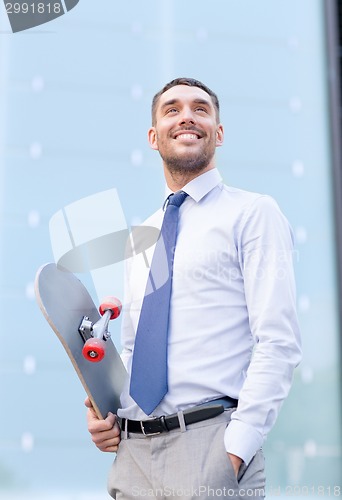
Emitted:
<point x="187" y="164"/>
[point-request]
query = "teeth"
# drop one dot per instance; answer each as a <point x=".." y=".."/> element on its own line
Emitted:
<point x="187" y="136"/>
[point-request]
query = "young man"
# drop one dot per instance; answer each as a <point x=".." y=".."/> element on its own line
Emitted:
<point x="233" y="338"/>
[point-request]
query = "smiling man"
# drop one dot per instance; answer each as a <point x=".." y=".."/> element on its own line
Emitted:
<point x="187" y="146"/>
<point x="211" y="344"/>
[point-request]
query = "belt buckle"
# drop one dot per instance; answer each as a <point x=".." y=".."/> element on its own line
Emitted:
<point x="147" y="433"/>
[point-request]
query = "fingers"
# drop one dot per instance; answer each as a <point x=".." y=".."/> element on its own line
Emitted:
<point x="91" y="413"/>
<point x="105" y="434"/>
<point x="107" y="441"/>
<point x="88" y="403"/>
<point x="96" y="425"/>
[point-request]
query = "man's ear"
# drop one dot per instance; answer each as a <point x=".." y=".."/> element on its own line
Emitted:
<point x="219" y="135"/>
<point x="152" y="138"/>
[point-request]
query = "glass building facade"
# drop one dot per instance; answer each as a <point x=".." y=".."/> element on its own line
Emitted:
<point x="74" y="110"/>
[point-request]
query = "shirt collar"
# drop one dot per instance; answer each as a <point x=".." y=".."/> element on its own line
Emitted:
<point x="201" y="185"/>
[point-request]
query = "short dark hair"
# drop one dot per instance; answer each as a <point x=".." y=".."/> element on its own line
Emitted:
<point x="190" y="82"/>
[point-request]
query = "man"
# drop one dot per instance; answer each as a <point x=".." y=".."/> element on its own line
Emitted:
<point x="233" y="337"/>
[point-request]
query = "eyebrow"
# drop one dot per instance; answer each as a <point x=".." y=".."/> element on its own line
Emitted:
<point x="195" y="101"/>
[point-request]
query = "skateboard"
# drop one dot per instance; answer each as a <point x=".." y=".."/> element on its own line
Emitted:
<point x="83" y="332"/>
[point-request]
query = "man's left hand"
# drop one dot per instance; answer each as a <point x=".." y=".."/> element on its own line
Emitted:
<point x="236" y="462"/>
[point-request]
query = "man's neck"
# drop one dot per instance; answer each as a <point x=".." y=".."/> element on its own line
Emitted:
<point x="177" y="180"/>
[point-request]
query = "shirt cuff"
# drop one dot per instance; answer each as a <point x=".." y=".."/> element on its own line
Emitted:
<point x="242" y="440"/>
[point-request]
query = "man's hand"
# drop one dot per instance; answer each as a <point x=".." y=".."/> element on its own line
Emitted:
<point x="236" y="462"/>
<point x="105" y="434"/>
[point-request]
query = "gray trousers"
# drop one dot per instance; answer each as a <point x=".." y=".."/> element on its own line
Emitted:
<point x="184" y="464"/>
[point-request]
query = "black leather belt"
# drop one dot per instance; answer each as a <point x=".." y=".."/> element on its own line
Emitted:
<point x="167" y="423"/>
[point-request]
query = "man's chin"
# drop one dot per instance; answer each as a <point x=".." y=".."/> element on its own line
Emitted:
<point x="187" y="166"/>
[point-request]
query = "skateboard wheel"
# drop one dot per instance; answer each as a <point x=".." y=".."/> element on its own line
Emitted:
<point x="113" y="304"/>
<point x="94" y="350"/>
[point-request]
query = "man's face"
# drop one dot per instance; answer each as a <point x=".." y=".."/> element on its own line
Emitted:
<point x="186" y="131"/>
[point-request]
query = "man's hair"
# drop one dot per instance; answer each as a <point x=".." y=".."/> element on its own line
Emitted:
<point x="190" y="82"/>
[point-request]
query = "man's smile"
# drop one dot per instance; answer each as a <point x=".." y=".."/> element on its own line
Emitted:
<point x="187" y="137"/>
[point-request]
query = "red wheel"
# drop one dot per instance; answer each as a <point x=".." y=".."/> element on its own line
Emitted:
<point x="111" y="303"/>
<point x="94" y="350"/>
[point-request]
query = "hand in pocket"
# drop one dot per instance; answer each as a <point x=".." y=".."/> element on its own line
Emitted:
<point x="236" y="462"/>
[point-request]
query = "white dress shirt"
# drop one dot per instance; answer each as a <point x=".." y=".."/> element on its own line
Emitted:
<point x="233" y="327"/>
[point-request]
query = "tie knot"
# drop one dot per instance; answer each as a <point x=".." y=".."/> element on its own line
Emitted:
<point x="177" y="198"/>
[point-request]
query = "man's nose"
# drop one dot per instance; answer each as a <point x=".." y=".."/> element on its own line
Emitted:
<point x="187" y="116"/>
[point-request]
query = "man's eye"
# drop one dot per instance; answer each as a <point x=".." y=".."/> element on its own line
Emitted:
<point x="172" y="110"/>
<point x="203" y="110"/>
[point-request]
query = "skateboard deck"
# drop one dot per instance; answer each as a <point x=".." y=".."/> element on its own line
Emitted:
<point x="64" y="301"/>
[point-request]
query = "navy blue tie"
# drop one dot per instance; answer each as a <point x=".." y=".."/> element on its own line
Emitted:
<point x="149" y="365"/>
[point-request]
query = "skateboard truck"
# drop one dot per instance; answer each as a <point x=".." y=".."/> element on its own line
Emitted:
<point x="95" y="335"/>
